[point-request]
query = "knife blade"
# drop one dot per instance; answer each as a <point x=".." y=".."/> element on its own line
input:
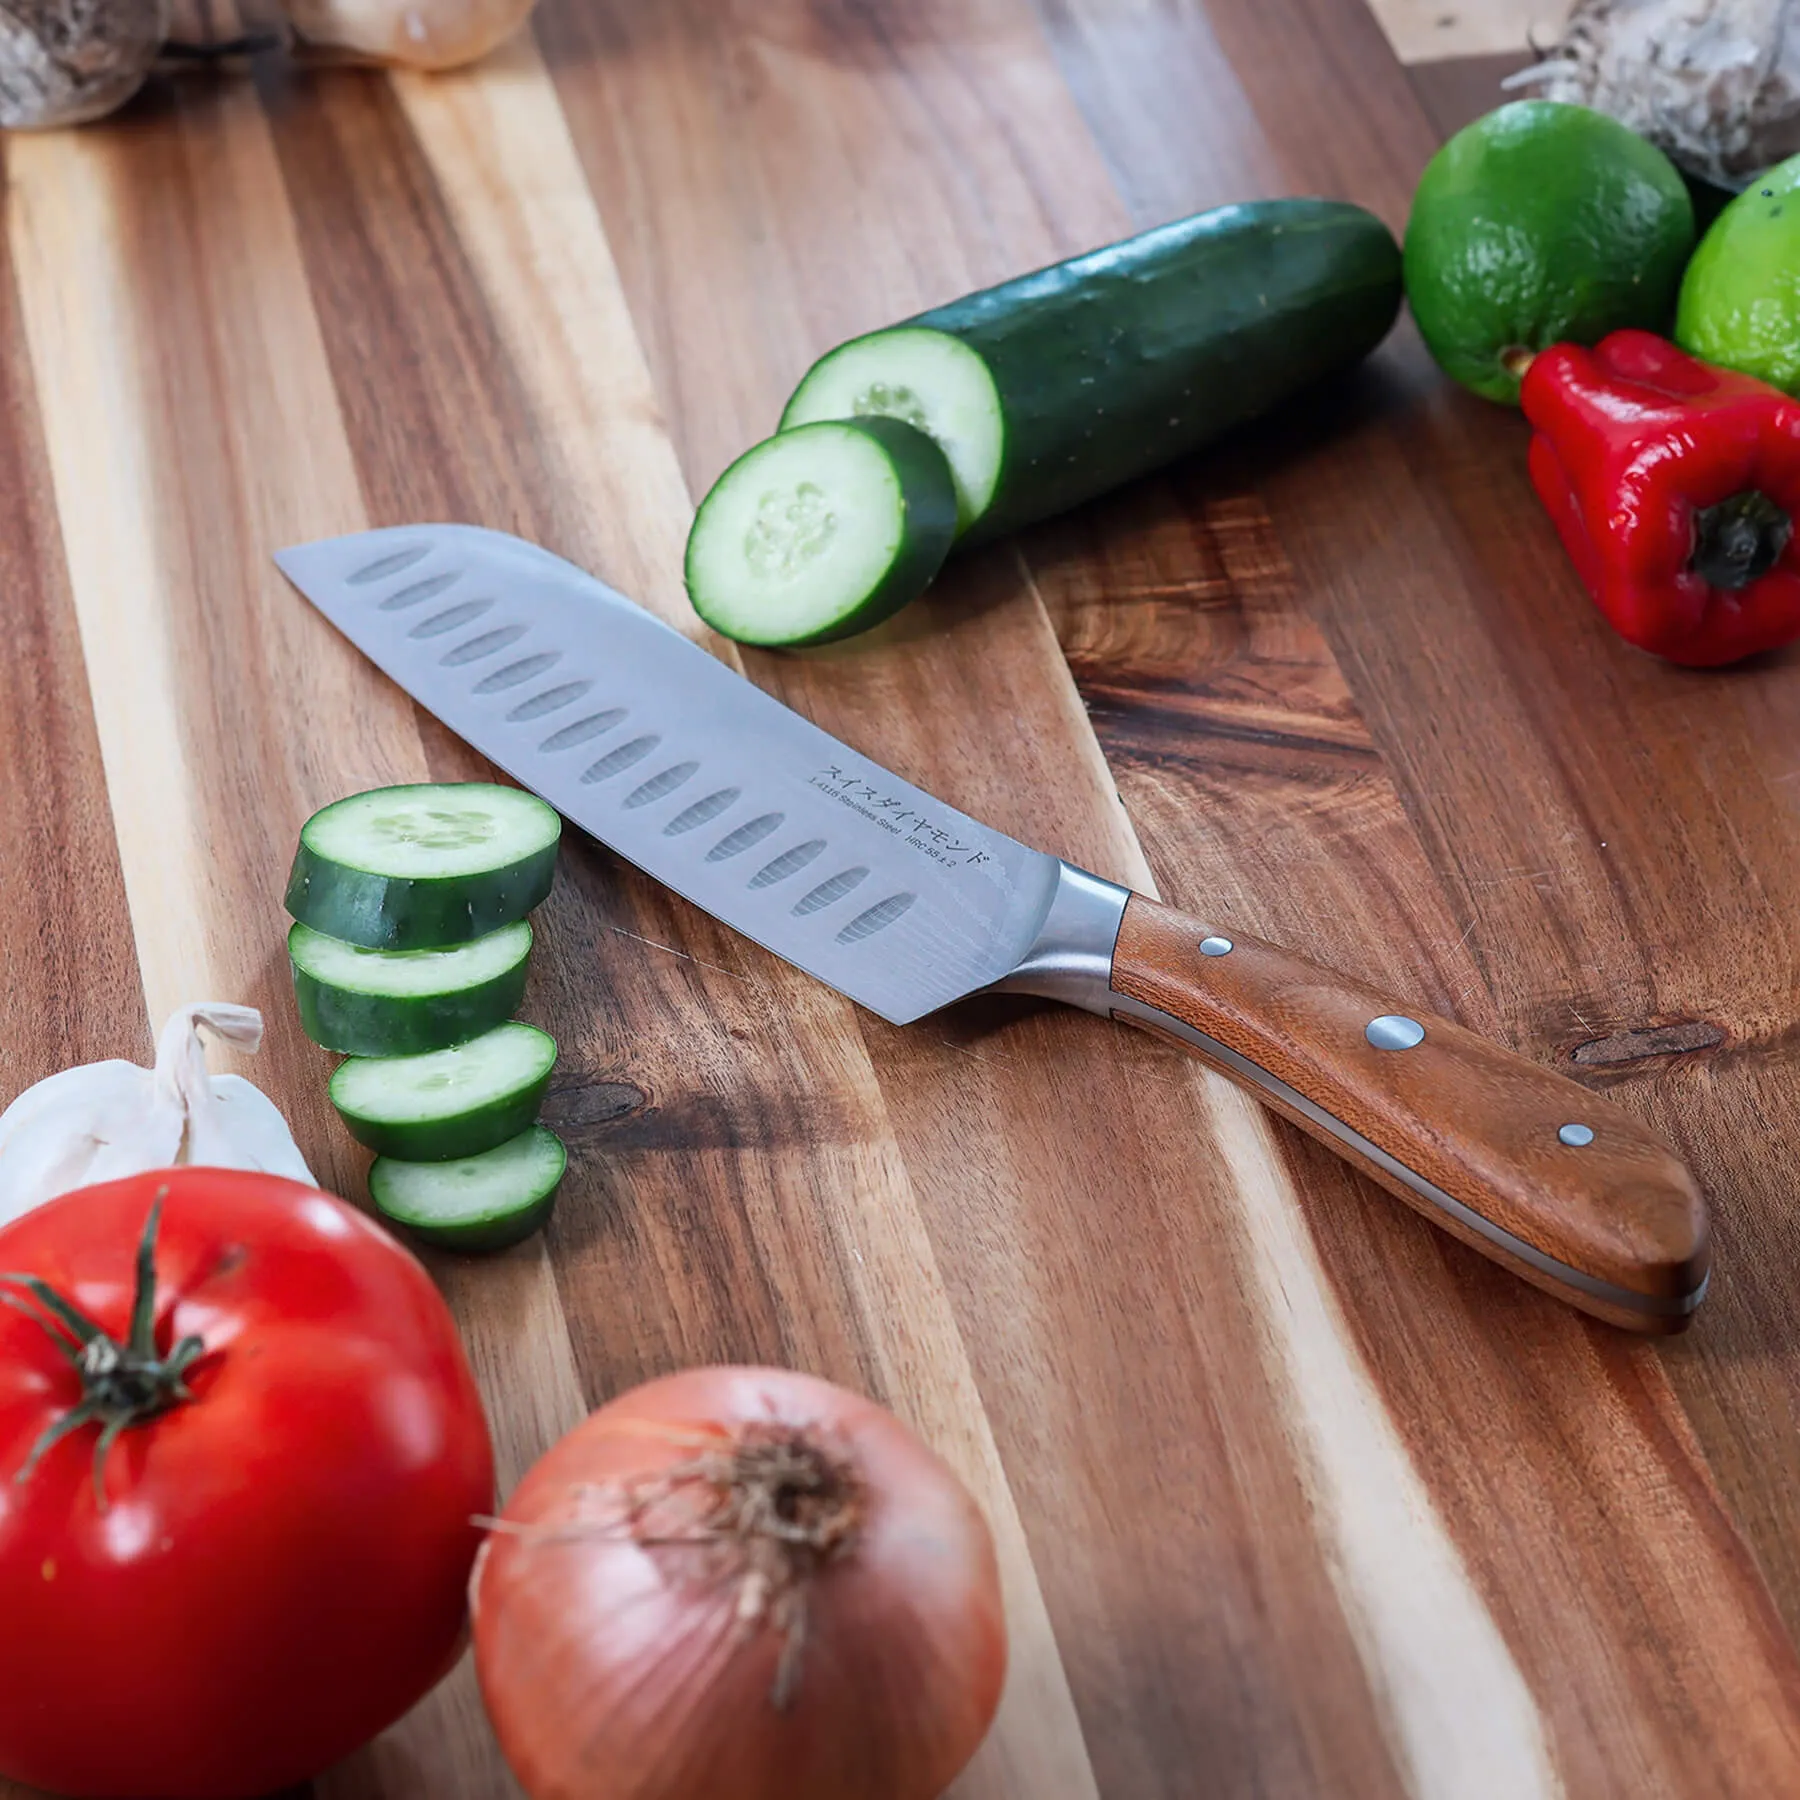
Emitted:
<point x="641" y="738"/>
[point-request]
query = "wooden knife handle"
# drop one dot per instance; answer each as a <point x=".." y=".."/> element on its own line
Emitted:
<point x="1526" y="1165"/>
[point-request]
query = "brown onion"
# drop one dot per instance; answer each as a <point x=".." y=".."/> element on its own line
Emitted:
<point x="739" y="1584"/>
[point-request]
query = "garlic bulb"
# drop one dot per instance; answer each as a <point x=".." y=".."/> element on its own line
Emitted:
<point x="62" y="61"/>
<point x="107" y="1120"/>
<point x="1714" y="83"/>
<point x="423" y="34"/>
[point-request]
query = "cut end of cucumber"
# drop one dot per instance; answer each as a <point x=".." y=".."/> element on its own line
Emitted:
<point x="821" y="532"/>
<point x="932" y="381"/>
<point x="421" y="867"/>
<point x="450" y="1103"/>
<point x="474" y="1203"/>
<point x="432" y="832"/>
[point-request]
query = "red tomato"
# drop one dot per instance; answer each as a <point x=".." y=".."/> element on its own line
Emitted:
<point x="279" y="1572"/>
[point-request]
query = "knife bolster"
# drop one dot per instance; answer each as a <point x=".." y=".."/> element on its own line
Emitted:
<point x="1071" y="958"/>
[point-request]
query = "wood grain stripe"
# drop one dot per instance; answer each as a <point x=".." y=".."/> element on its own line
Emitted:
<point x="65" y="229"/>
<point x="1462" y="1719"/>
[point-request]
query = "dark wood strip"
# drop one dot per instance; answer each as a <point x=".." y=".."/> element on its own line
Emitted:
<point x="1460" y="89"/>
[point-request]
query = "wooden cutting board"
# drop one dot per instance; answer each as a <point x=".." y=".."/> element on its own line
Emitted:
<point x="1296" y="1497"/>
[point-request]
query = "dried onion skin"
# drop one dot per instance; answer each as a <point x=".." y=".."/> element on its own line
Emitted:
<point x="1714" y="84"/>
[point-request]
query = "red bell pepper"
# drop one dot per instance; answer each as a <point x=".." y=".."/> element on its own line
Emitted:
<point x="1675" y="487"/>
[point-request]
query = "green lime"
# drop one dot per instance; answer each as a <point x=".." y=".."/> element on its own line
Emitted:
<point x="1543" y="223"/>
<point x="1740" y="303"/>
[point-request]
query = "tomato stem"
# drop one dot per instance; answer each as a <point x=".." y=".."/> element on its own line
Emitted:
<point x="122" y="1384"/>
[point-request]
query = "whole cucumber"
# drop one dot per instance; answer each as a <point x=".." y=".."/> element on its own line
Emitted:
<point x="1059" y="385"/>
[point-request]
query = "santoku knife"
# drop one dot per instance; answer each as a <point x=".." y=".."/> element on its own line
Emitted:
<point x="686" y="769"/>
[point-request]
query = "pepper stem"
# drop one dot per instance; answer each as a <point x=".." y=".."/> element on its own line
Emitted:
<point x="1740" y="540"/>
<point x="121" y="1384"/>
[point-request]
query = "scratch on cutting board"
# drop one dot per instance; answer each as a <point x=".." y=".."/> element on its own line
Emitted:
<point x="1162" y="1080"/>
<point x="736" y="975"/>
<point x="1506" y="875"/>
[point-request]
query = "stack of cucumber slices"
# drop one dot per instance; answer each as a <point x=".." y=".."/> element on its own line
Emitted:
<point x="410" y="943"/>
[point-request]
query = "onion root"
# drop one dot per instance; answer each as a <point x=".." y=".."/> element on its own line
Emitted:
<point x="775" y="1503"/>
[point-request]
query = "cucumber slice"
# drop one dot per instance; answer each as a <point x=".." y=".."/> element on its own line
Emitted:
<point x="403" y="1002"/>
<point x="931" y="380"/>
<point x="447" y="1103"/>
<point x="821" y="532"/>
<point x="423" y="867"/>
<point x="483" y="1202"/>
<point x="1057" y="386"/>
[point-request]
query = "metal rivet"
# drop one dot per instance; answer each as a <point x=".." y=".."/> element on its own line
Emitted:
<point x="1215" y="946"/>
<point x="1394" y="1031"/>
<point x="1577" y="1135"/>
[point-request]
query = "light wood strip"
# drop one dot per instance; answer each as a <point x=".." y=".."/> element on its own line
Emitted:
<point x="70" y="993"/>
<point x="1435" y="30"/>
<point x="1462" y="1719"/>
<point x="499" y="147"/>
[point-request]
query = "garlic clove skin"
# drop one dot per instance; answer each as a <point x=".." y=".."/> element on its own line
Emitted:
<point x="228" y="1123"/>
<point x="63" y="62"/>
<point x="108" y="1120"/>
<point x="85" y="1125"/>
<point x="248" y="1126"/>
<point x="418" y="34"/>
